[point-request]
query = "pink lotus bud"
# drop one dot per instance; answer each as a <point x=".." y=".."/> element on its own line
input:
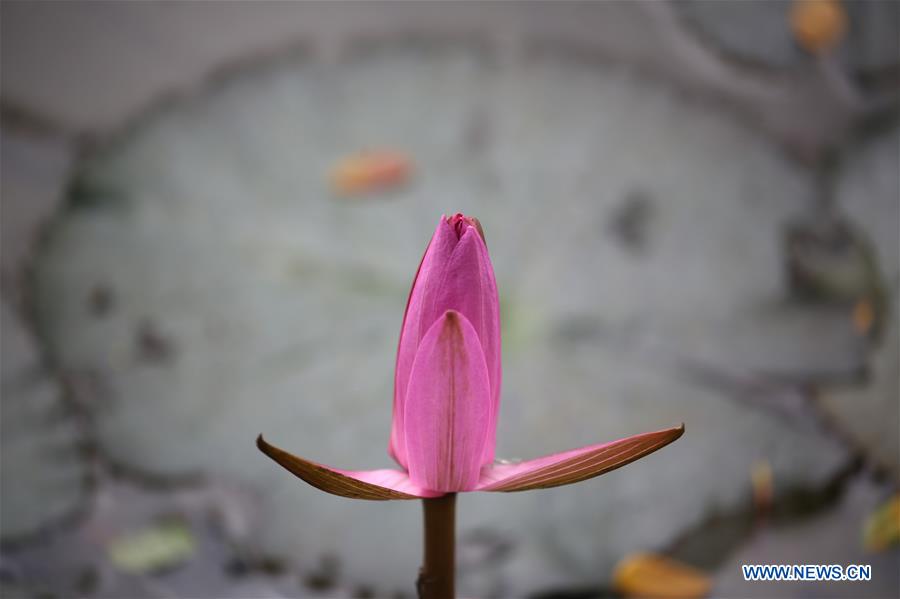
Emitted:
<point x="447" y="393"/>
<point x="455" y="274"/>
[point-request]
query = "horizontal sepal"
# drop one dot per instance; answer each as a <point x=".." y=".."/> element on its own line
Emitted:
<point x="373" y="485"/>
<point x="574" y="465"/>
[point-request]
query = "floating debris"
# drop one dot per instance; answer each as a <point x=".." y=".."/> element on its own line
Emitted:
<point x="863" y="317"/>
<point x="159" y="547"/>
<point x="882" y="528"/>
<point x="818" y="25"/>
<point x="374" y="170"/>
<point x="763" y="488"/>
<point x="650" y="575"/>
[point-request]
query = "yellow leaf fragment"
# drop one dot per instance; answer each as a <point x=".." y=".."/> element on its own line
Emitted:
<point x="761" y="481"/>
<point x="882" y="528"/>
<point x="818" y="25"/>
<point x="374" y="170"/>
<point x="151" y="549"/>
<point x="863" y="317"/>
<point x="651" y="575"/>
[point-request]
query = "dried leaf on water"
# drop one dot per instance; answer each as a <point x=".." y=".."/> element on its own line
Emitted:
<point x="761" y="481"/>
<point x="369" y="171"/>
<point x="818" y="25"/>
<point x="651" y="575"/>
<point x="882" y="528"/>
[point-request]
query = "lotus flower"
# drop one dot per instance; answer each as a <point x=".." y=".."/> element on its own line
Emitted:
<point x="447" y="393"/>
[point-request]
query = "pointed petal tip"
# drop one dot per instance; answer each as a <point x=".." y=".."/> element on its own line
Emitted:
<point x="479" y="228"/>
<point x="459" y="222"/>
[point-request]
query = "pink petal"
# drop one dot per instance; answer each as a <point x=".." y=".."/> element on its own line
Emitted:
<point x="448" y="407"/>
<point x="469" y="287"/>
<point x="427" y="278"/>
<point x="575" y="465"/>
<point x="356" y="484"/>
<point x="455" y="274"/>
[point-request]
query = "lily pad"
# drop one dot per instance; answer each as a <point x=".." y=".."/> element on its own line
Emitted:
<point x="760" y="33"/>
<point x="869" y="193"/>
<point x="42" y="464"/>
<point x="250" y="299"/>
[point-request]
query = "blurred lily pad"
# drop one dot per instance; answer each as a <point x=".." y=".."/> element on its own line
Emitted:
<point x="869" y="412"/>
<point x="869" y="193"/>
<point x="43" y="471"/>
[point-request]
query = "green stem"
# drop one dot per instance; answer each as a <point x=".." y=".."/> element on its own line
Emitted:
<point x="437" y="576"/>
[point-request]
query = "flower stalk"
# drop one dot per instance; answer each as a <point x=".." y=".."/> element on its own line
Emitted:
<point x="437" y="576"/>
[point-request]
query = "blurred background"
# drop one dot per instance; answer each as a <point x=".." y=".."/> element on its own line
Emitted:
<point x="212" y="212"/>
